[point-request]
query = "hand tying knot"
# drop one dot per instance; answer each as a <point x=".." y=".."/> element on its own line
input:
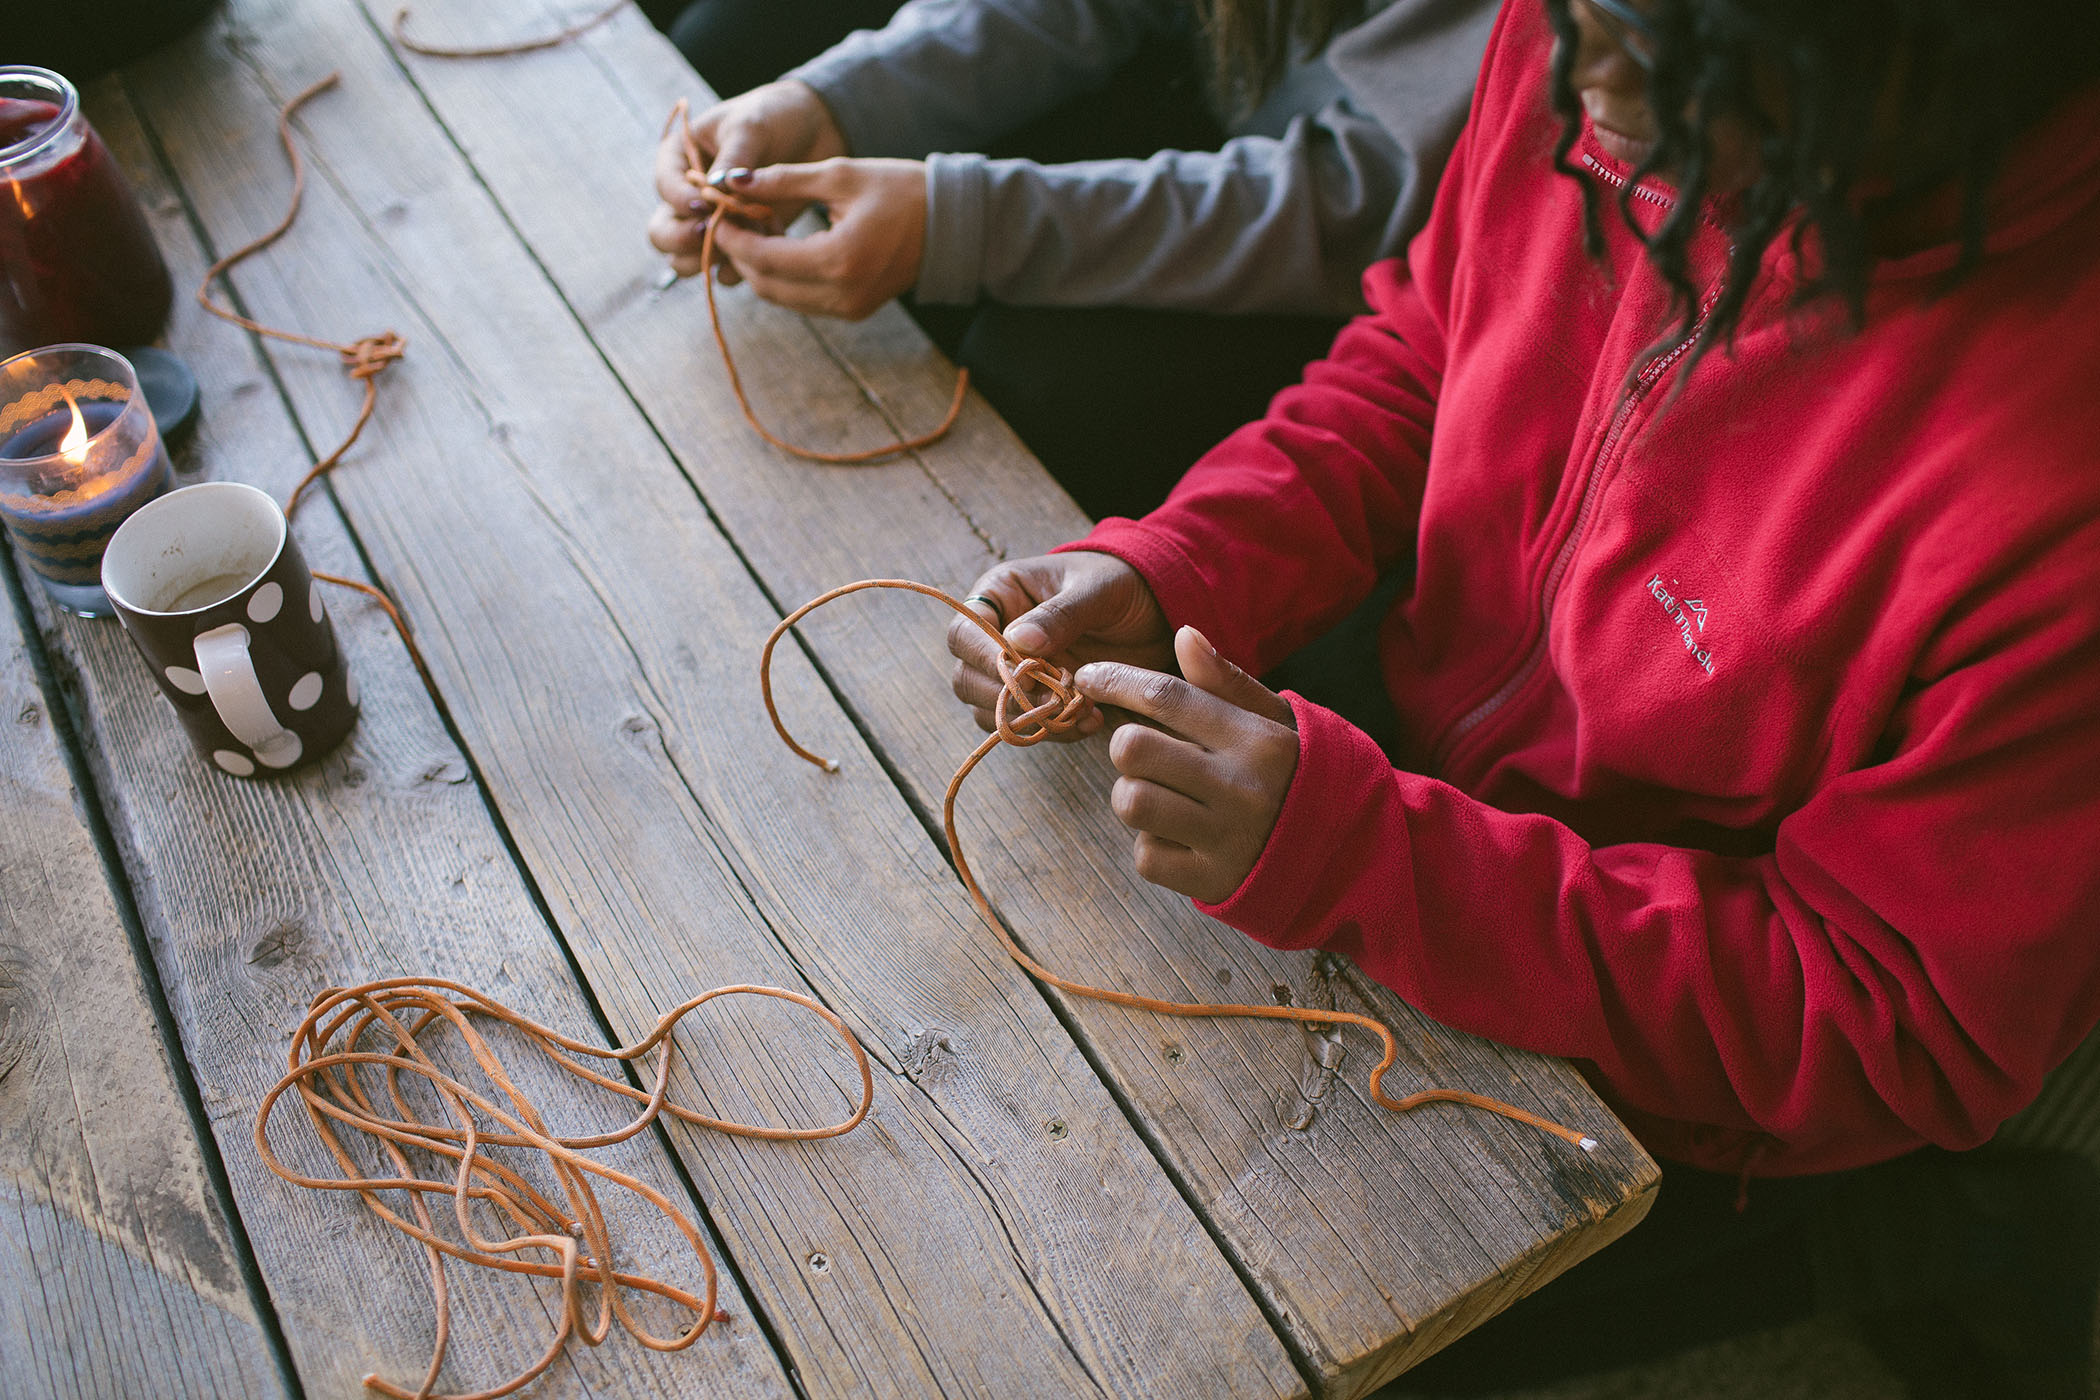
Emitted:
<point x="681" y="178"/>
<point x="1060" y="710"/>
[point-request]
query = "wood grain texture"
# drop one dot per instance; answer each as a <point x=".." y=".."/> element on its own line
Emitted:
<point x="379" y="861"/>
<point x="1373" y="1240"/>
<point x="998" y="1227"/>
<point x="117" y="1272"/>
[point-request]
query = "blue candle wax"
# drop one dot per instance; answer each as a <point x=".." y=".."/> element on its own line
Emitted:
<point x="61" y="513"/>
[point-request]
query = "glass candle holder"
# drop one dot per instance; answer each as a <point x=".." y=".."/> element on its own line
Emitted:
<point x="79" y="451"/>
<point x="77" y="259"/>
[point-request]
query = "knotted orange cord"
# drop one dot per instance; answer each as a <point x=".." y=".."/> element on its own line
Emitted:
<point x="721" y="205"/>
<point x="323" y="1071"/>
<point x="1060" y="707"/>
<point x="574" y="31"/>
<point x="364" y="359"/>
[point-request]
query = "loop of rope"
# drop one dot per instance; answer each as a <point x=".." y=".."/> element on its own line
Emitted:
<point x="1023" y="679"/>
<point x="363" y="359"/>
<point x="574" y="31"/>
<point x="325" y="1068"/>
<point x="724" y="205"/>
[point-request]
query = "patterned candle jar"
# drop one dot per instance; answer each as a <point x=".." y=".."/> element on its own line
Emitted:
<point x="79" y="452"/>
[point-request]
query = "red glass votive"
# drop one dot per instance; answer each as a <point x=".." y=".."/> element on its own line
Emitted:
<point x="77" y="260"/>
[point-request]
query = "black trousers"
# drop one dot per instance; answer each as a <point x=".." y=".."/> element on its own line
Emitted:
<point x="1971" y="1275"/>
<point x="1115" y="402"/>
<point x="738" y="44"/>
<point x="83" y="39"/>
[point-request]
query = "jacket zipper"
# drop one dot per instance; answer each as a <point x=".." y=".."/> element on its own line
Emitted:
<point x="1650" y="373"/>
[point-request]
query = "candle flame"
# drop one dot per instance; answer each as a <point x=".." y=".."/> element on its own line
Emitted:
<point x="73" y="446"/>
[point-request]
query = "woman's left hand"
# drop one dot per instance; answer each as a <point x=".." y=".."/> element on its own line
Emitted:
<point x="869" y="254"/>
<point x="1203" y="781"/>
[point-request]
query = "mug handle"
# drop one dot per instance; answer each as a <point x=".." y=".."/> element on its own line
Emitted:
<point x="229" y="676"/>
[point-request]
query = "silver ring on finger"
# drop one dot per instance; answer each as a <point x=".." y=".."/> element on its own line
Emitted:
<point x="992" y="603"/>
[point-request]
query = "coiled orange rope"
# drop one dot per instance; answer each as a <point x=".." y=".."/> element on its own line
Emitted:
<point x="723" y="205"/>
<point x="570" y="1241"/>
<point x="1040" y="700"/>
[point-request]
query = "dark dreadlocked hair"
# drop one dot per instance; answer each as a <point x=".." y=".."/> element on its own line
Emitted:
<point x="1251" y="42"/>
<point x="1815" y="82"/>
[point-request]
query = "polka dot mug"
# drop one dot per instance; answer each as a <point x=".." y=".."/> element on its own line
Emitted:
<point x="215" y="596"/>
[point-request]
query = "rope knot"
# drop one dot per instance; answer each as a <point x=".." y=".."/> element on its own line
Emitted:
<point x="365" y="358"/>
<point x="722" y="201"/>
<point x="1060" y="707"/>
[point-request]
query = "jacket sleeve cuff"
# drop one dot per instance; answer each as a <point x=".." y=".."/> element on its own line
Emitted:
<point x="951" y="262"/>
<point x="1315" y="863"/>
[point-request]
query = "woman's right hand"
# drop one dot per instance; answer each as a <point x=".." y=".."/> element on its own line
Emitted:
<point x="1067" y="608"/>
<point x="779" y="123"/>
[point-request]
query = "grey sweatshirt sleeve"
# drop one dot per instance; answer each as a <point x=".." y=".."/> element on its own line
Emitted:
<point x="949" y="75"/>
<point x="1263" y="225"/>
<point x="1270" y="223"/>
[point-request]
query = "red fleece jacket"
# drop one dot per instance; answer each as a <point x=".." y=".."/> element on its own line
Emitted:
<point x="1753" y="723"/>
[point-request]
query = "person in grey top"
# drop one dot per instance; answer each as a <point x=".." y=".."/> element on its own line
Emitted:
<point x="1326" y="164"/>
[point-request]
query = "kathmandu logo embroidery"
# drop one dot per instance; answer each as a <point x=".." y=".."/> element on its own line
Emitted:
<point x="1690" y="616"/>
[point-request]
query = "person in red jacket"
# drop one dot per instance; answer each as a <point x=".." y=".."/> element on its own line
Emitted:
<point x="1735" y="423"/>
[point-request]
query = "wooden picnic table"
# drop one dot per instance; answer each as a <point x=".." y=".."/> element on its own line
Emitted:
<point x="591" y="819"/>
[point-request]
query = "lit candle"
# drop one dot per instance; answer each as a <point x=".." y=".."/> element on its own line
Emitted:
<point x="79" y="451"/>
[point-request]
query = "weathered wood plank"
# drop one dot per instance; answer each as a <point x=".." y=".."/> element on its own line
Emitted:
<point x="998" y="1227"/>
<point x="1374" y="1240"/>
<point x="382" y="860"/>
<point x="117" y="1272"/>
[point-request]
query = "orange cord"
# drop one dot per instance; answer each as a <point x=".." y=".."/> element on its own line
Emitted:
<point x="324" y="1070"/>
<point x="1048" y="703"/>
<point x="722" y="205"/>
<point x="574" y="31"/>
<point x="364" y="359"/>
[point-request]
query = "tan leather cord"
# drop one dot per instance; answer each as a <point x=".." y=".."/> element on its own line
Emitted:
<point x="364" y="359"/>
<point x="723" y="205"/>
<point x="570" y="1241"/>
<point x="1039" y="700"/>
<point x="574" y="31"/>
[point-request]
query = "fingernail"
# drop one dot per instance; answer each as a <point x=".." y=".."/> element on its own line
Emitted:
<point x="739" y="176"/>
<point x="1205" y="641"/>
<point x="1026" y="635"/>
<point x="696" y="206"/>
<point x="1090" y="673"/>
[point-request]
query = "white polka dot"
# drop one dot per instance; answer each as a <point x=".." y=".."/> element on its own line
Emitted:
<point x="281" y="752"/>
<point x="185" y="680"/>
<point x="306" y="691"/>
<point x="350" y="689"/>
<point x="313" y="600"/>
<point x="238" y="764"/>
<point x="264" y="605"/>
